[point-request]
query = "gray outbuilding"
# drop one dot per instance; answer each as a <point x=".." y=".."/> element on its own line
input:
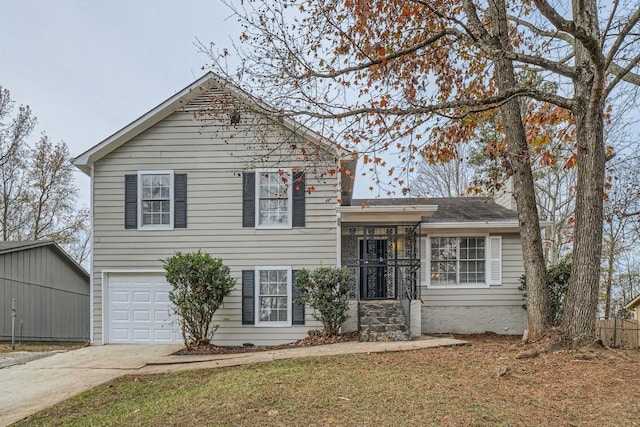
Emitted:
<point x="51" y="293"/>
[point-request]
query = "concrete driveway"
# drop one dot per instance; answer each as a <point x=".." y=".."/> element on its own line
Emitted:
<point x="28" y="388"/>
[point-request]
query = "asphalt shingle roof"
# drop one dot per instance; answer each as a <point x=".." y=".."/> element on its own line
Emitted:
<point x="452" y="209"/>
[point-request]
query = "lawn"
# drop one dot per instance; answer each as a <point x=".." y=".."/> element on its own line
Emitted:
<point x="5" y="347"/>
<point x="453" y="386"/>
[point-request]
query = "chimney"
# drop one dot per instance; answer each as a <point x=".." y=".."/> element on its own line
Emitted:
<point x="504" y="196"/>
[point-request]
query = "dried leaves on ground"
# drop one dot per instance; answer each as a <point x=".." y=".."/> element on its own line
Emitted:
<point x="314" y="338"/>
<point x="482" y="384"/>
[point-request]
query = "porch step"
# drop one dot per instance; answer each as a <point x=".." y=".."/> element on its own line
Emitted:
<point x="382" y="321"/>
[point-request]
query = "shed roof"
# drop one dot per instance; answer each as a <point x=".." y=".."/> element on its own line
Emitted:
<point x="15" y="246"/>
<point x="452" y="209"/>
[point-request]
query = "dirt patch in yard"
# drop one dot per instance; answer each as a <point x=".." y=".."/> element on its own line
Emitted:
<point x="314" y="338"/>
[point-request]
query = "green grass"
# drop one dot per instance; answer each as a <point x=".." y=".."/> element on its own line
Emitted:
<point x="439" y="387"/>
<point x="40" y="346"/>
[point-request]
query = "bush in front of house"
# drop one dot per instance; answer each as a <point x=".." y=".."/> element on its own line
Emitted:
<point x="326" y="290"/>
<point x="558" y="284"/>
<point x="200" y="283"/>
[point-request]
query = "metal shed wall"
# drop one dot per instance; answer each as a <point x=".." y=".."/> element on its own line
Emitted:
<point x="52" y="296"/>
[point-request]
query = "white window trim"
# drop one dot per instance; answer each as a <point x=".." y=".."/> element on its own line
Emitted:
<point x="289" y="225"/>
<point x="267" y="324"/>
<point x="487" y="270"/>
<point x="171" y="200"/>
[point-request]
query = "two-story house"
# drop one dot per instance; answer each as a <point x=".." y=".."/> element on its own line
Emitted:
<point x="210" y="169"/>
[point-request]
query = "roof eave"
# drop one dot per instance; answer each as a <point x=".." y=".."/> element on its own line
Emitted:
<point x="428" y="209"/>
<point x="56" y="247"/>
<point x="633" y="303"/>
<point x="85" y="160"/>
<point x="460" y="225"/>
<point x="33" y="245"/>
<point x="380" y="214"/>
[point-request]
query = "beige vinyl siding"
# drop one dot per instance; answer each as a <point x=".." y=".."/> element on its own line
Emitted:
<point x="506" y="294"/>
<point x="213" y="158"/>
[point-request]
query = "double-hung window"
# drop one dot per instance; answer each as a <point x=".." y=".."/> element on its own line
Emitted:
<point x="274" y="201"/>
<point x="458" y="261"/>
<point x="155" y="199"/>
<point x="273" y="296"/>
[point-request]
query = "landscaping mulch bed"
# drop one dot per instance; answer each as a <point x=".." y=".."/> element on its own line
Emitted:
<point x="314" y="338"/>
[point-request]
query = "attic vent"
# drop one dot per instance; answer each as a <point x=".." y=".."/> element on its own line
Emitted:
<point x="235" y="117"/>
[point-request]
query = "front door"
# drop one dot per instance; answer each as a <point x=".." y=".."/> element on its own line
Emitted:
<point x="373" y="281"/>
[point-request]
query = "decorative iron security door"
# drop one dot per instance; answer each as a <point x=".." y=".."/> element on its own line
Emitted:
<point x="385" y="262"/>
<point x="373" y="281"/>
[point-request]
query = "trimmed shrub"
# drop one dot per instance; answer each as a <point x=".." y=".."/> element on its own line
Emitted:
<point x="200" y="284"/>
<point x="326" y="290"/>
<point x="558" y="284"/>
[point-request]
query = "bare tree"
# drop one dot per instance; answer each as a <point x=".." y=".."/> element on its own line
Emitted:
<point x="38" y="195"/>
<point x="622" y="216"/>
<point x="18" y="128"/>
<point x="450" y="178"/>
<point x="52" y="194"/>
<point x="555" y="195"/>
<point x="14" y="130"/>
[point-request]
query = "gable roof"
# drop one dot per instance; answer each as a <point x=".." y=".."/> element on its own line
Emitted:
<point x="174" y="103"/>
<point x="9" y="247"/>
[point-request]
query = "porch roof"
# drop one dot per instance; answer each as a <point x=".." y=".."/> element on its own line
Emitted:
<point x="385" y="212"/>
<point x="448" y="209"/>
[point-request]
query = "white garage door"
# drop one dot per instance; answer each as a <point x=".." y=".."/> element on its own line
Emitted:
<point x="139" y="310"/>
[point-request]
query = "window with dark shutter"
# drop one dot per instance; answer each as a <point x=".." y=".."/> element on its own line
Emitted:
<point x="248" y="297"/>
<point x="248" y="199"/>
<point x="297" y="317"/>
<point x="298" y="200"/>
<point x="131" y="201"/>
<point x="180" y="200"/>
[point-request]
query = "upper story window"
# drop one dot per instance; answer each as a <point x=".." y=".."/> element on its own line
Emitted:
<point x="155" y="199"/>
<point x="458" y="261"/>
<point x="274" y="198"/>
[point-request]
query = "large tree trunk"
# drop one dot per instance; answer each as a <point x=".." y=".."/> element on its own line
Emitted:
<point x="524" y="190"/>
<point x="581" y="302"/>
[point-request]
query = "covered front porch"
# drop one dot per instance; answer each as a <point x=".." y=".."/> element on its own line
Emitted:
<point x="381" y="245"/>
<point x="384" y="259"/>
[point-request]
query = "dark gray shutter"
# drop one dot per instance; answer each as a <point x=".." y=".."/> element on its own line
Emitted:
<point x="248" y="199"/>
<point x="298" y="219"/>
<point x="180" y="200"/>
<point x="248" y="297"/>
<point x="297" y="317"/>
<point x="131" y="201"/>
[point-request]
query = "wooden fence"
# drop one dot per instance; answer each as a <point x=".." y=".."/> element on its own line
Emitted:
<point x="619" y="333"/>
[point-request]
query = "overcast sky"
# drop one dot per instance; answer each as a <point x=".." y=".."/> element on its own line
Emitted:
<point x="88" y="68"/>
